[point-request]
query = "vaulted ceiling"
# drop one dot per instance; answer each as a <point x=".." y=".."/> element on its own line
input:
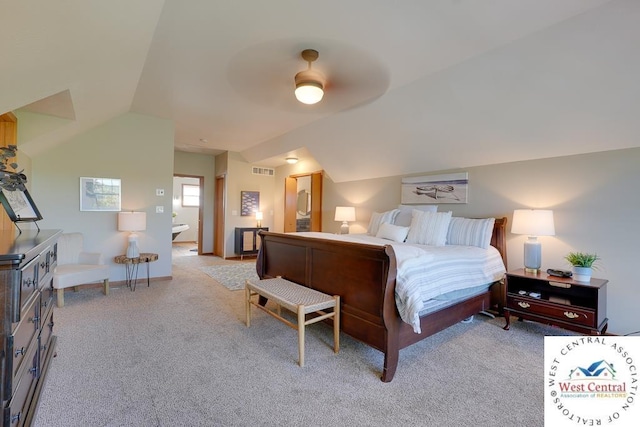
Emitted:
<point x="413" y="86"/>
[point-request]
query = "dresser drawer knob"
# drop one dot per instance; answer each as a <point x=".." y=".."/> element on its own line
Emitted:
<point x="28" y="282"/>
<point x="524" y="304"/>
<point x="571" y="315"/>
<point x="15" y="418"/>
<point x="20" y="352"/>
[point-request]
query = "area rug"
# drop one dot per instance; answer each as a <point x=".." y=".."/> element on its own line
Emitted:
<point x="232" y="276"/>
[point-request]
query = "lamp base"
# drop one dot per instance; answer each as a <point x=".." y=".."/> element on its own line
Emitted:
<point x="532" y="255"/>
<point x="344" y="228"/>
<point x="132" y="249"/>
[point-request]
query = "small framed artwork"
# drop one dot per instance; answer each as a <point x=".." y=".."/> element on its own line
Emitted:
<point x="447" y="188"/>
<point x="249" y="202"/>
<point x="19" y="206"/>
<point x="100" y="194"/>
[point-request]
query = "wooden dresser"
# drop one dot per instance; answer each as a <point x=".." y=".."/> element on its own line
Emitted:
<point x="27" y="261"/>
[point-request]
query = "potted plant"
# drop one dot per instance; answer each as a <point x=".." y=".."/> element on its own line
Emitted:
<point x="583" y="265"/>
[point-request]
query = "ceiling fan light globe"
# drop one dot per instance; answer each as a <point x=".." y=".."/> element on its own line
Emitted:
<point x="309" y="93"/>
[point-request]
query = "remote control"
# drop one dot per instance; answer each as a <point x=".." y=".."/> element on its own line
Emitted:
<point x="559" y="273"/>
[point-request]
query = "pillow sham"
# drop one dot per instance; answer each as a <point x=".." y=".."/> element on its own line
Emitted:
<point x="378" y="218"/>
<point x="404" y="216"/>
<point x="429" y="228"/>
<point x="470" y="232"/>
<point x="392" y="232"/>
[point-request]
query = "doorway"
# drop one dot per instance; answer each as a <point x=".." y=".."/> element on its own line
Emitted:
<point x="303" y="202"/>
<point x="188" y="200"/>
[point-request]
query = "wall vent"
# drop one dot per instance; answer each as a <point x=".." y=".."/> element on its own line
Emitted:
<point x="263" y="171"/>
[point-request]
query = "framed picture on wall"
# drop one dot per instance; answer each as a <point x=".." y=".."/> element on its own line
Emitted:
<point x="100" y="194"/>
<point x="447" y="188"/>
<point x="249" y="202"/>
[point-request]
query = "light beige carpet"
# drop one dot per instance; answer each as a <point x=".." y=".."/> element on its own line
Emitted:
<point x="179" y="354"/>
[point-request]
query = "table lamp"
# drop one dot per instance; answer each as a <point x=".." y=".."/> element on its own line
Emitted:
<point x="259" y="219"/>
<point x="345" y="214"/>
<point x="132" y="221"/>
<point x="534" y="223"/>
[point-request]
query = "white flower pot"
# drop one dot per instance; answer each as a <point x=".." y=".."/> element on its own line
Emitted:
<point x="582" y="274"/>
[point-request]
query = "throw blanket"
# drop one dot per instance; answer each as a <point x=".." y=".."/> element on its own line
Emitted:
<point x="428" y="272"/>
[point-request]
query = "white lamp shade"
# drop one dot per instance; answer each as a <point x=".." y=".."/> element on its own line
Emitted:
<point x="259" y="215"/>
<point x="132" y="221"/>
<point x="345" y="213"/>
<point x="533" y="222"/>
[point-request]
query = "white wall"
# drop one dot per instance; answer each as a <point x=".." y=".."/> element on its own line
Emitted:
<point x="595" y="199"/>
<point x="137" y="149"/>
<point x="240" y="178"/>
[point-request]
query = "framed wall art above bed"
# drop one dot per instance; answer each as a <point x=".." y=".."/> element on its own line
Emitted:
<point x="447" y="188"/>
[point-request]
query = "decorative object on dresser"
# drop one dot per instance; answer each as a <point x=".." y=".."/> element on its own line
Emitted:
<point x="247" y="240"/>
<point x="560" y="301"/>
<point x="366" y="276"/>
<point x="534" y="223"/>
<point x="345" y="214"/>
<point x="27" y="263"/>
<point x="259" y="218"/>
<point x="77" y="267"/>
<point x="15" y="198"/>
<point x="583" y="264"/>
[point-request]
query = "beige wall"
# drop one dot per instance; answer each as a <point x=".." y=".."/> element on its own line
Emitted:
<point x="240" y="178"/>
<point x="137" y="149"/>
<point x="200" y="165"/>
<point x="595" y="199"/>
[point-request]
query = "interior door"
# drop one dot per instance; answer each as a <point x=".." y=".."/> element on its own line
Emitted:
<point x="290" y="204"/>
<point x="218" y="217"/>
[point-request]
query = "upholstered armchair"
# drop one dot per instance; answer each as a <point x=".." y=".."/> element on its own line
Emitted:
<point x="76" y="267"/>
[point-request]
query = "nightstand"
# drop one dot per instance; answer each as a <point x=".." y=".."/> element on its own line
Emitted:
<point x="563" y="302"/>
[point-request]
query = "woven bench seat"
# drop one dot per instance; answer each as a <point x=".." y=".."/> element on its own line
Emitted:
<point x="298" y="299"/>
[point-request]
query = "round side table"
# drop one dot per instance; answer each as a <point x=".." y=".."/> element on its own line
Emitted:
<point x="132" y="264"/>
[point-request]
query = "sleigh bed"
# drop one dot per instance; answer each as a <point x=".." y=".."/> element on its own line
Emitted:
<point x="364" y="276"/>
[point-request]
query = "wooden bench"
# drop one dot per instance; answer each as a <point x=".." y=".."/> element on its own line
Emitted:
<point x="298" y="299"/>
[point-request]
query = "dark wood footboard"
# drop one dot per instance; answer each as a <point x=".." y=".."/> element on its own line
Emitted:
<point x="364" y="276"/>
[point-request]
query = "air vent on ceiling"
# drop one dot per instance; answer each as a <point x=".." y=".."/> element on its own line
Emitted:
<point x="263" y="171"/>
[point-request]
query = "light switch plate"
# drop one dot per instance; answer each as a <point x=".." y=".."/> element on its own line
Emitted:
<point x="159" y="191"/>
<point x="159" y="209"/>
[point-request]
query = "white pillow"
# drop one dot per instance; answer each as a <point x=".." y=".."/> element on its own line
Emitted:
<point x="392" y="232"/>
<point x="470" y="232"/>
<point x="429" y="228"/>
<point x="404" y="216"/>
<point x="378" y="218"/>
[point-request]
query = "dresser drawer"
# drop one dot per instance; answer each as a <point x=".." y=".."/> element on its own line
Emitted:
<point x="24" y="288"/>
<point x="16" y="410"/>
<point x="565" y="313"/>
<point x="23" y="338"/>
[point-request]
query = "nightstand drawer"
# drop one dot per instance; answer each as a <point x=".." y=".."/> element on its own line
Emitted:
<point x="565" y="313"/>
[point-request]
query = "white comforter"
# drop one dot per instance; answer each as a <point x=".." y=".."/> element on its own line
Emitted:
<point x="427" y="272"/>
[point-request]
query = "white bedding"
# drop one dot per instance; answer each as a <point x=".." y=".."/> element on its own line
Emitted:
<point x="428" y="272"/>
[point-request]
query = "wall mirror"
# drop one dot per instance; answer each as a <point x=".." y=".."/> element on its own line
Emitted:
<point x="304" y="203"/>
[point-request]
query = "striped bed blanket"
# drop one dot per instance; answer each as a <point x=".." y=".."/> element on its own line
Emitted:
<point x="426" y="273"/>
